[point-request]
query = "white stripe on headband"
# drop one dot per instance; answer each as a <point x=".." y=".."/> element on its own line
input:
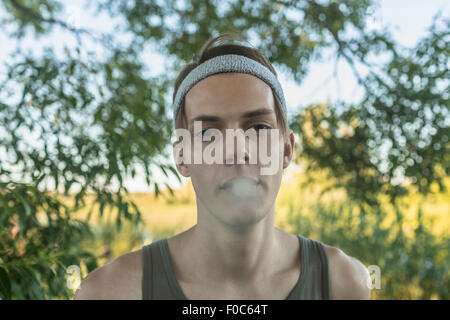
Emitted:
<point x="222" y="64"/>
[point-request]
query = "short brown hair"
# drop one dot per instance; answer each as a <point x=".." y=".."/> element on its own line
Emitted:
<point x="210" y="50"/>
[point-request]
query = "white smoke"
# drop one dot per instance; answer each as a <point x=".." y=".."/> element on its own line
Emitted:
<point x="243" y="188"/>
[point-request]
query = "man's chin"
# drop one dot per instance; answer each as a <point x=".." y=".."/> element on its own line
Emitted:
<point x="240" y="218"/>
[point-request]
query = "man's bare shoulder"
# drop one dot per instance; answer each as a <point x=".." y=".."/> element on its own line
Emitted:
<point x="120" y="279"/>
<point x="348" y="276"/>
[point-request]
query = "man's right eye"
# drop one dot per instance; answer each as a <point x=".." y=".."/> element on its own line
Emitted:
<point x="203" y="132"/>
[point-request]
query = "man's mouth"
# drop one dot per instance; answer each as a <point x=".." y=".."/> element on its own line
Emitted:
<point x="240" y="180"/>
<point x="241" y="188"/>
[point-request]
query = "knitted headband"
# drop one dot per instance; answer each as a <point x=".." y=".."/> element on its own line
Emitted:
<point x="223" y="64"/>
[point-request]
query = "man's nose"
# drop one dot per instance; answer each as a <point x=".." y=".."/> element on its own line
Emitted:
<point x="236" y="148"/>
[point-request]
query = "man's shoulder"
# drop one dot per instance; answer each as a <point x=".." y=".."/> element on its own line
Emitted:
<point x="119" y="279"/>
<point x="348" y="276"/>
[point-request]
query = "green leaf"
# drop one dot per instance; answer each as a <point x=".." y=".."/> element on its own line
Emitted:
<point x="170" y="189"/>
<point x="5" y="284"/>
<point x="175" y="172"/>
<point x="163" y="170"/>
<point x="156" y="189"/>
<point x="102" y="207"/>
<point x="125" y="210"/>
<point x="119" y="221"/>
<point x="24" y="203"/>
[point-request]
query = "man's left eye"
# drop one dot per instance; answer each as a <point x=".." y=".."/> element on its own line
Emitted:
<point x="260" y="126"/>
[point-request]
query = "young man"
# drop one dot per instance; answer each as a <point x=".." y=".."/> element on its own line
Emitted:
<point x="234" y="251"/>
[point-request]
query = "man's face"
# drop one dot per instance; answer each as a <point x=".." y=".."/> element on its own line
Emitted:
<point x="235" y="101"/>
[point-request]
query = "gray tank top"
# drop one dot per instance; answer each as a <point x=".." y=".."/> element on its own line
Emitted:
<point x="159" y="281"/>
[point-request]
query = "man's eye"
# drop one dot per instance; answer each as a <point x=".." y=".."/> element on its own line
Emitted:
<point x="260" y="126"/>
<point x="203" y="132"/>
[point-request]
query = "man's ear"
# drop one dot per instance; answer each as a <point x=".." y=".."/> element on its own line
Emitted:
<point x="288" y="149"/>
<point x="182" y="168"/>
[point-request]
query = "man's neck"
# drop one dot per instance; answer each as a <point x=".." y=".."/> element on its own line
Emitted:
<point x="236" y="257"/>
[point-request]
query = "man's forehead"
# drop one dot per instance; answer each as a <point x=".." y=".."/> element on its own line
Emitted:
<point x="228" y="87"/>
<point x="232" y="95"/>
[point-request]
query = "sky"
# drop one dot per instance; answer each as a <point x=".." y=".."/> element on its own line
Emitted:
<point x="407" y="21"/>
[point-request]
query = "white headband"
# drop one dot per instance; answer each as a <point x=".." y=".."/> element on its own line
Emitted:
<point x="223" y="64"/>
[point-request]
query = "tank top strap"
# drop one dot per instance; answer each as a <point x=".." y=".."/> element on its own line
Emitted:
<point x="158" y="282"/>
<point x="147" y="271"/>
<point x="319" y="268"/>
<point x="314" y="275"/>
<point x="325" y="270"/>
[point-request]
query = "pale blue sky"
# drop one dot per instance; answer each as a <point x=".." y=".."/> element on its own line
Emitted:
<point x="407" y="21"/>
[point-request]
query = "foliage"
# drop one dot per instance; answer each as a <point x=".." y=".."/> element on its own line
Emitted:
<point x="38" y="244"/>
<point x="414" y="266"/>
<point x="400" y="128"/>
<point x="82" y="120"/>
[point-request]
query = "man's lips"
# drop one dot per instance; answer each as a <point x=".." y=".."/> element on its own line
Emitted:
<point x="228" y="183"/>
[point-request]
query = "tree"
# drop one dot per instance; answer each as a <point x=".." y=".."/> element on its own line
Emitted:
<point x="98" y="117"/>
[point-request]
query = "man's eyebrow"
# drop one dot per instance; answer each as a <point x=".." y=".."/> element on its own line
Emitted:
<point x="206" y="118"/>
<point x="258" y="112"/>
<point x="250" y="114"/>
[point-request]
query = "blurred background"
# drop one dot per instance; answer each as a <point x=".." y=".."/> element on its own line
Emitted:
<point x="86" y="168"/>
